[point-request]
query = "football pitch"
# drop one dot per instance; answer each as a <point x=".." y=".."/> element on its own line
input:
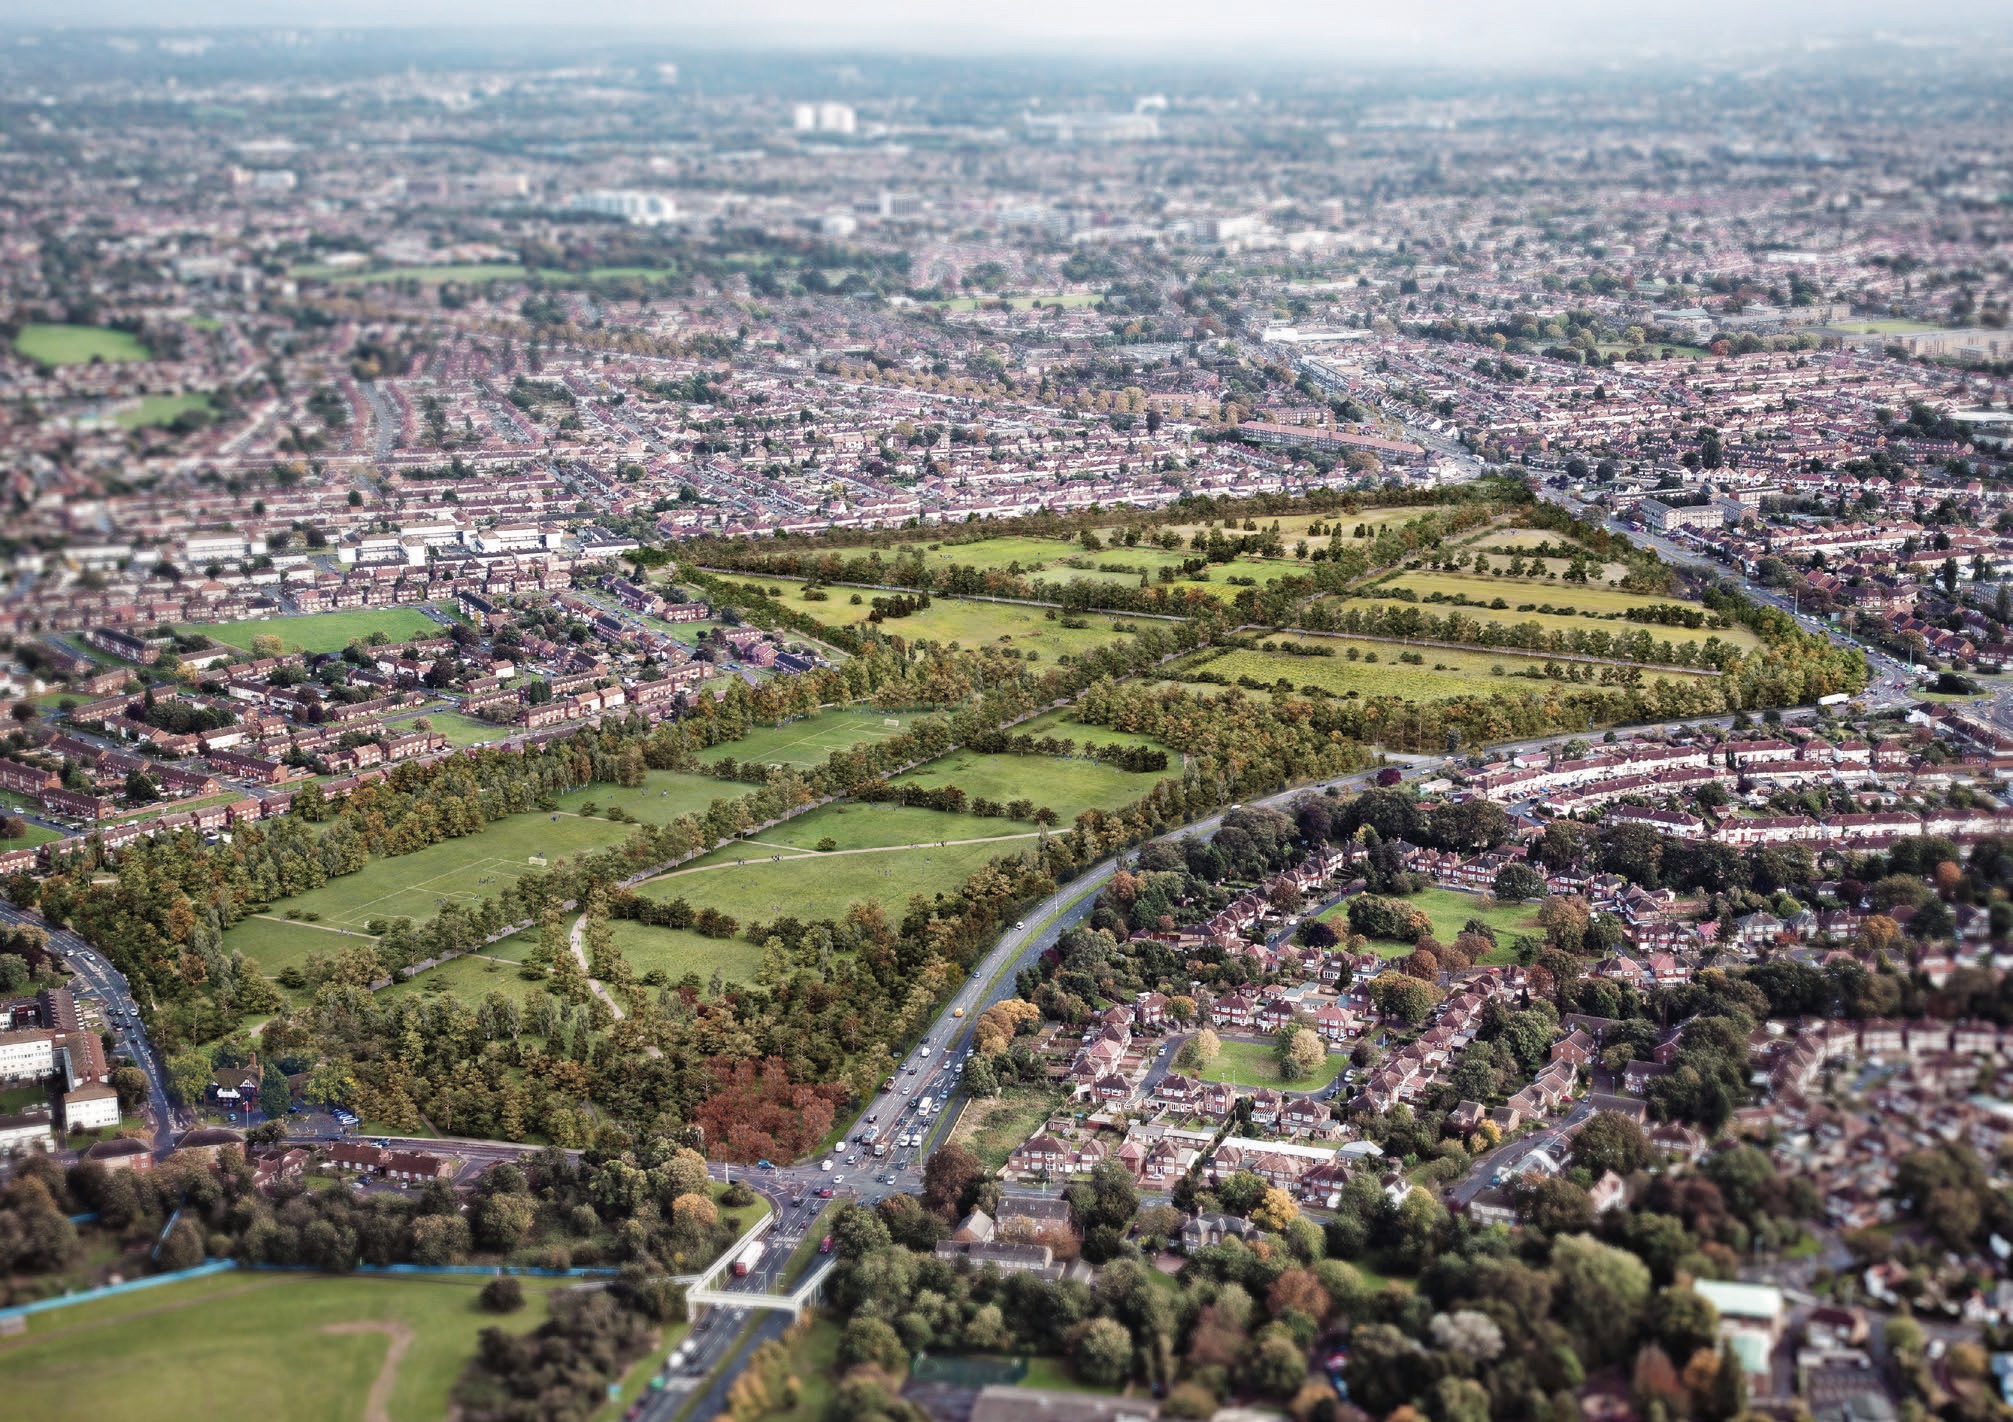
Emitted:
<point x="415" y="886"/>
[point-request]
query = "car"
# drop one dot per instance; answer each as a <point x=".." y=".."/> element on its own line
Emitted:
<point x="826" y="1193"/>
<point x="765" y="1165"/>
<point x="957" y="1012"/>
<point x="873" y="1118"/>
<point x="825" y="1164"/>
<point x="912" y="1071"/>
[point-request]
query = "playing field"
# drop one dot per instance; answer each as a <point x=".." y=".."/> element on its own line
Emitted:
<point x="676" y="952"/>
<point x="323" y="631"/>
<point x="663" y="796"/>
<point x="1527" y="606"/>
<point x="955" y="620"/>
<point x="758" y="881"/>
<point x="416" y="885"/>
<point x="198" y="1351"/>
<point x="156" y="410"/>
<point x="78" y="345"/>
<point x="1058" y="560"/>
<point x="1069" y="787"/>
<point x="1519" y="590"/>
<point x="1255" y="1064"/>
<point x="1442" y="672"/>
<point x="810" y="741"/>
<point x="1450" y="910"/>
<point x="467" y="274"/>
<point x="1064" y="727"/>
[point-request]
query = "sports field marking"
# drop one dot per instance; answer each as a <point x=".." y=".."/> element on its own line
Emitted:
<point x="377" y="1407"/>
<point x="325" y="928"/>
<point x="487" y="866"/>
<point x="799" y="853"/>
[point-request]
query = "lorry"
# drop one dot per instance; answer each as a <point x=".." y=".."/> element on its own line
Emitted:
<point x="750" y="1257"/>
<point x="923" y="1105"/>
<point x="880" y="1147"/>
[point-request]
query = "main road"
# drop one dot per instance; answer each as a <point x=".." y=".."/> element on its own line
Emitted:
<point x="129" y="1033"/>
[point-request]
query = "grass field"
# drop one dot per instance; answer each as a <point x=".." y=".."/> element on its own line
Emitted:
<point x="323" y="631"/>
<point x="415" y="885"/>
<point x="753" y="881"/>
<point x="1069" y="787"/>
<point x="1516" y="590"/>
<point x="993" y="1126"/>
<point x="954" y="620"/>
<point x="463" y="730"/>
<point x="467" y="273"/>
<point x="197" y="1351"/>
<point x="1063" y="725"/>
<point x="1581" y="619"/>
<point x="1443" y="672"/>
<point x="663" y="796"/>
<point x="811" y="740"/>
<point x="676" y="952"/>
<point x="1256" y="1064"/>
<point x="30" y="836"/>
<point x="1450" y="910"/>
<point x="1051" y="558"/>
<point x="159" y="409"/>
<point x="1023" y="303"/>
<point x="78" y="345"/>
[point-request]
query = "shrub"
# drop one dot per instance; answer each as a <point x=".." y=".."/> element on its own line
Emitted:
<point x="503" y="1294"/>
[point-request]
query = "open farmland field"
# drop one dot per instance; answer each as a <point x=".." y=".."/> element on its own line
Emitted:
<point x="810" y="741"/>
<point x="195" y="1351"/>
<point x="663" y="796"/>
<point x="78" y="345"/>
<point x="1069" y="787"/>
<point x="323" y="631"/>
<point x="415" y="885"/>
<point x="966" y="622"/>
<point x="1528" y="606"/>
<point x="1442" y="673"/>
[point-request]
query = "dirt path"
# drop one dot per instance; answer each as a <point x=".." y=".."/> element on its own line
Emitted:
<point x="377" y="1407"/>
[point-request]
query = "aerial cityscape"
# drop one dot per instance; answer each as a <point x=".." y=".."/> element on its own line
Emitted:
<point x="1124" y="719"/>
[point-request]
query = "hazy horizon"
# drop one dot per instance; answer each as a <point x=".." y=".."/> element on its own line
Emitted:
<point x="1439" y="32"/>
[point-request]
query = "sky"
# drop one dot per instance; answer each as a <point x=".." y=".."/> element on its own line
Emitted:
<point x="1417" y="31"/>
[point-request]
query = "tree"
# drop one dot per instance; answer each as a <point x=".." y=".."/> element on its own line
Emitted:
<point x="874" y="1342"/>
<point x="1279" y="1365"/>
<point x="950" y="1172"/>
<point x="1683" y="1322"/>
<point x="140" y="789"/>
<point x="1603" y="1289"/>
<point x="1517" y="882"/>
<point x="1199" y="1052"/>
<point x="1275" y="1210"/>
<point x="1612" y="1141"/>
<point x="1300" y="1052"/>
<point x="1103" y="1352"/>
